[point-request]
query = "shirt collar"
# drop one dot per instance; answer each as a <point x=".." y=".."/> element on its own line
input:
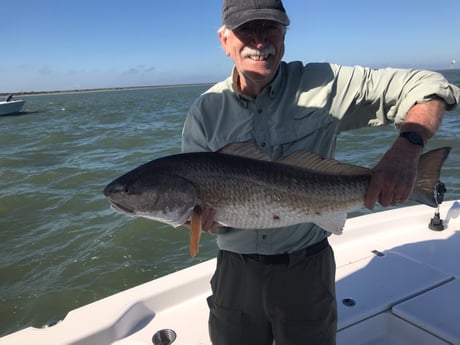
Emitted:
<point x="271" y="89"/>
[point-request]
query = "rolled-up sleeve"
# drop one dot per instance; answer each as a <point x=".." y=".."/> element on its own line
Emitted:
<point x="386" y="95"/>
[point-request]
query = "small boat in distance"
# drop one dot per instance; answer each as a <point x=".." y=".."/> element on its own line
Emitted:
<point x="11" y="105"/>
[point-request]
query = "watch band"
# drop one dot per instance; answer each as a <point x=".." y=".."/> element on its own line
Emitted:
<point x="413" y="137"/>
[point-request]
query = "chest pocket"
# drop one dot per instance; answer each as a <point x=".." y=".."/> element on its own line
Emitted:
<point x="310" y="129"/>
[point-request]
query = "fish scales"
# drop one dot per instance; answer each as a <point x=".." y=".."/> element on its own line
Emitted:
<point x="253" y="194"/>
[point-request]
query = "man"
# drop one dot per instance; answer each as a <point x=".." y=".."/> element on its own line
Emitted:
<point x="279" y="284"/>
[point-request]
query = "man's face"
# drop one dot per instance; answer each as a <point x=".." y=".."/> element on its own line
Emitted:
<point x="256" y="48"/>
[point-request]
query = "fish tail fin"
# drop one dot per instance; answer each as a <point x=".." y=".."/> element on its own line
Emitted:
<point x="428" y="189"/>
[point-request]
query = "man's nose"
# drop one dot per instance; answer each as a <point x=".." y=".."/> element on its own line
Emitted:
<point x="259" y="36"/>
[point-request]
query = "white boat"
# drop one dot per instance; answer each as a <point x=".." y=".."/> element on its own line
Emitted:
<point x="398" y="282"/>
<point x="11" y="107"/>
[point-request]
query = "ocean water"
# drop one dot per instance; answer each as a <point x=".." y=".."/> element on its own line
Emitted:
<point x="61" y="245"/>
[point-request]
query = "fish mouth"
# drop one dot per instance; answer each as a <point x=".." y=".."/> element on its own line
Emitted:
<point x="122" y="209"/>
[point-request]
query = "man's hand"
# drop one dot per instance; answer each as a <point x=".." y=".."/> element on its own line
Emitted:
<point x="393" y="178"/>
<point x="208" y="223"/>
<point x="208" y="216"/>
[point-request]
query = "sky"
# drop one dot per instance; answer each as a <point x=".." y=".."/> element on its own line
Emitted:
<point x="51" y="45"/>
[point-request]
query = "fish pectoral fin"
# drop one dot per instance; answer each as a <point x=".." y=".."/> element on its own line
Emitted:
<point x="195" y="233"/>
<point x="333" y="222"/>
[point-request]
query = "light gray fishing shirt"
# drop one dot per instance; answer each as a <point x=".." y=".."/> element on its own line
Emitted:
<point x="304" y="108"/>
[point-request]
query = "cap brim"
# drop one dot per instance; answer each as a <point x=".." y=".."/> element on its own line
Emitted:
<point x="239" y="19"/>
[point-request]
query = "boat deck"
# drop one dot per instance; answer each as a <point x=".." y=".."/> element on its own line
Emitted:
<point x="397" y="283"/>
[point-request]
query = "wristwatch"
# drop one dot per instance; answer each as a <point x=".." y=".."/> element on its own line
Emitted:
<point x="413" y="137"/>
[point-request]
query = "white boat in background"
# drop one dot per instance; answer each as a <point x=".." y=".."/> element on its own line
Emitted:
<point x="398" y="282"/>
<point x="11" y="107"/>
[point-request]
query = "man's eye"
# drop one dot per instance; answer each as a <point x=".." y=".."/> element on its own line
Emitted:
<point x="245" y="31"/>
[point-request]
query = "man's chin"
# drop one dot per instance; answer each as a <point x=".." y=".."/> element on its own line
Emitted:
<point x="262" y="79"/>
<point x="258" y="64"/>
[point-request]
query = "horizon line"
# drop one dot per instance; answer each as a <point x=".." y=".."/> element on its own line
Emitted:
<point x="101" y="89"/>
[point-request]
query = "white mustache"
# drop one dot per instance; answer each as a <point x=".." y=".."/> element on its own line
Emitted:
<point x="264" y="53"/>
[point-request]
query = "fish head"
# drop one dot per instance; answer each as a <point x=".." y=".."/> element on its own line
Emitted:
<point x="163" y="197"/>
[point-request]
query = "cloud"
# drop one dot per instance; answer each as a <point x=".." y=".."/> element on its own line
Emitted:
<point x="76" y="72"/>
<point x="139" y="69"/>
<point x="45" y="70"/>
<point x="131" y="71"/>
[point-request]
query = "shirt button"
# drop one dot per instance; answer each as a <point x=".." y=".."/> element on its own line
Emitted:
<point x="259" y="110"/>
<point x="264" y="237"/>
<point x="263" y="144"/>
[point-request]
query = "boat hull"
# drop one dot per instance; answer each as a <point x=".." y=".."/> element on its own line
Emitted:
<point x="397" y="283"/>
<point x="12" y="107"/>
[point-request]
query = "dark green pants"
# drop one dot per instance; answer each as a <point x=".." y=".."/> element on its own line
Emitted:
<point x="255" y="302"/>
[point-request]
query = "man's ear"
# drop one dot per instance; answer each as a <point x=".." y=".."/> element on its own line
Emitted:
<point x="223" y="37"/>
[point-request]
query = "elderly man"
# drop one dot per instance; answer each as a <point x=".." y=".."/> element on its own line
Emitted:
<point x="279" y="284"/>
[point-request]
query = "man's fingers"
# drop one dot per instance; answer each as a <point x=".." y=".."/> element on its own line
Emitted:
<point x="387" y="190"/>
<point x="373" y="192"/>
<point x="208" y="216"/>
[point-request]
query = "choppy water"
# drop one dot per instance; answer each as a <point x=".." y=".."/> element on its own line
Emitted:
<point x="61" y="245"/>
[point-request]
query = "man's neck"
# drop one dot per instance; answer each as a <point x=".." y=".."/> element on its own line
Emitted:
<point x="252" y="91"/>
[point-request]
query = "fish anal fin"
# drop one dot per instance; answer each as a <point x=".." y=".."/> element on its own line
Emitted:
<point x="333" y="222"/>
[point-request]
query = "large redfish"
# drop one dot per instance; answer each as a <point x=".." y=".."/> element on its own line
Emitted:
<point x="256" y="193"/>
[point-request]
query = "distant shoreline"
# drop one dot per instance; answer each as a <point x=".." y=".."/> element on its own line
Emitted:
<point x="124" y="88"/>
<point x="105" y="89"/>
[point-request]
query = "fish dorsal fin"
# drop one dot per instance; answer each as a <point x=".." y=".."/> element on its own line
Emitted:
<point x="314" y="162"/>
<point x="302" y="159"/>
<point x="247" y="149"/>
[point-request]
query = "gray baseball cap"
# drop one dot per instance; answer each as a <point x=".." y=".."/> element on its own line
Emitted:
<point x="238" y="12"/>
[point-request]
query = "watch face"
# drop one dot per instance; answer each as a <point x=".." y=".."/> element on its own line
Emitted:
<point x="414" y="138"/>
